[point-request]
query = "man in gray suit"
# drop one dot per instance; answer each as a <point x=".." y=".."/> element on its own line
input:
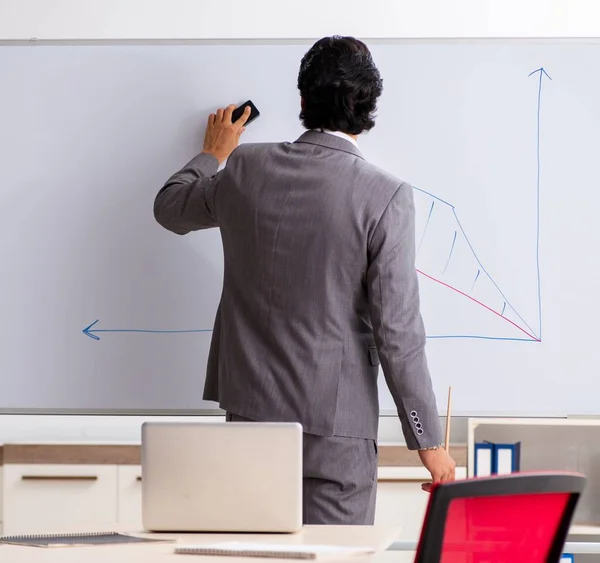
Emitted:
<point x="319" y="284"/>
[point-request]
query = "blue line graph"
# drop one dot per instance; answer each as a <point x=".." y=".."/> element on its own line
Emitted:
<point x="503" y="307"/>
<point x="500" y="306"/>
<point x="524" y="327"/>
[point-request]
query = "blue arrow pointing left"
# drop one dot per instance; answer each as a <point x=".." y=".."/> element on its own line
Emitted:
<point x="93" y="333"/>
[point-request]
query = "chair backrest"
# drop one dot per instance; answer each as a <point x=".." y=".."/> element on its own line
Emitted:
<point x="521" y="518"/>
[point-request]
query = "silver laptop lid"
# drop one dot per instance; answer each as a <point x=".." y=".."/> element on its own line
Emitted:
<point x="222" y="476"/>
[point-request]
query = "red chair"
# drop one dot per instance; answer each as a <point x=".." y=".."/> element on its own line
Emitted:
<point x="518" y="518"/>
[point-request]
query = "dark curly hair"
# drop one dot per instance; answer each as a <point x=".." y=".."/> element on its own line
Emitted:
<point x="339" y="84"/>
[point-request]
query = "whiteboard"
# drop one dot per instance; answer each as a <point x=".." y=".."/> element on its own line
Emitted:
<point x="504" y="164"/>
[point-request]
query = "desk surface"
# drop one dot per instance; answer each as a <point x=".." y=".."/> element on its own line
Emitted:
<point x="378" y="538"/>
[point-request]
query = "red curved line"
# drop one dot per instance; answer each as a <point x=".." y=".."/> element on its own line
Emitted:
<point x="479" y="303"/>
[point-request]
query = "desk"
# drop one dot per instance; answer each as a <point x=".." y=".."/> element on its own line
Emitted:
<point x="377" y="537"/>
<point x="576" y="544"/>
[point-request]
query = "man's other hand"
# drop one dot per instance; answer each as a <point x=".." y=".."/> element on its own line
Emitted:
<point x="439" y="463"/>
<point x="222" y="136"/>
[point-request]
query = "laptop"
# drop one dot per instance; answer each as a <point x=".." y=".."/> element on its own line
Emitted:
<point x="221" y="477"/>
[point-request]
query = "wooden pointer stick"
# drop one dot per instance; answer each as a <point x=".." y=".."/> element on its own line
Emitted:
<point x="448" y="415"/>
<point x="427" y="486"/>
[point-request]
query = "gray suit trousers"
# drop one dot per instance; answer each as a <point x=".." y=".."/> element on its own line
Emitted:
<point x="340" y="479"/>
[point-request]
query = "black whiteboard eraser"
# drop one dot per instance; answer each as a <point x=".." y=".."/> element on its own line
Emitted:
<point x="237" y="112"/>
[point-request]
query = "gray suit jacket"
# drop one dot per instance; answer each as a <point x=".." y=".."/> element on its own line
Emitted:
<point x="319" y="283"/>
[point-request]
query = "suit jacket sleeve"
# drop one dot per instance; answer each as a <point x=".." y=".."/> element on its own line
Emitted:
<point x="187" y="201"/>
<point x="397" y="324"/>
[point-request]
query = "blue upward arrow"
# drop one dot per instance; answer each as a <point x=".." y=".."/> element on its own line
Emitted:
<point x="92" y="332"/>
<point x="541" y="72"/>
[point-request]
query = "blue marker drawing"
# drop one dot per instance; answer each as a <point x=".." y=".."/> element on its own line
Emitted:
<point x="450" y="255"/>
<point x="92" y="332"/>
<point x="477" y="337"/>
<point x="525" y="328"/>
<point x="498" y="309"/>
<point x="504" y="303"/>
<point x="476" y="278"/>
<point x="426" y="225"/>
<point x="541" y="72"/>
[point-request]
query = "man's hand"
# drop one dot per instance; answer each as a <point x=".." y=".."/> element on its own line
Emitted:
<point x="222" y="136"/>
<point x="439" y="464"/>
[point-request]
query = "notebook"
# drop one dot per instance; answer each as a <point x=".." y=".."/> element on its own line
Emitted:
<point x="278" y="551"/>
<point x="64" y="540"/>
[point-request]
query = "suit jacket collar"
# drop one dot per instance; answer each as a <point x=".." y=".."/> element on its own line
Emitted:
<point x="329" y="141"/>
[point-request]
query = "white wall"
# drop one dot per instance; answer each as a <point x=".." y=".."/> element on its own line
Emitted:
<point x="276" y="19"/>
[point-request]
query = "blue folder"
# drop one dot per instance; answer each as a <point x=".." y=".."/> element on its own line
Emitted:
<point x="484" y="459"/>
<point x="507" y="458"/>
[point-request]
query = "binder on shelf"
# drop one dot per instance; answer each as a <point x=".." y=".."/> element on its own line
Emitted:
<point x="497" y="459"/>
<point x="507" y="458"/>
<point x="567" y="558"/>
<point x="484" y="459"/>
